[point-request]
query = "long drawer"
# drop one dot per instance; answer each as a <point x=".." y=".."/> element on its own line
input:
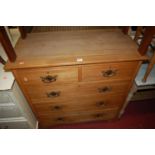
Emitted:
<point x="109" y="71"/>
<point x="85" y="104"/>
<point x="49" y="76"/>
<point x="48" y="121"/>
<point x="75" y="91"/>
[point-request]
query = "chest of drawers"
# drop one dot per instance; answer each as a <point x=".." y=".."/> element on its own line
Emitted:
<point x="70" y="77"/>
<point x="15" y="112"/>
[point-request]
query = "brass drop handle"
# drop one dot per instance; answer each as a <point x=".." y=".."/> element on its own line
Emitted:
<point x="60" y="119"/>
<point x="104" y="89"/>
<point x="53" y="94"/>
<point x="57" y="107"/>
<point x="109" y="73"/>
<point x="100" y="104"/>
<point x="99" y="115"/>
<point x="48" y="78"/>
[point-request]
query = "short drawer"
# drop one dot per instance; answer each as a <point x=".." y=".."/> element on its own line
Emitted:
<point x="49" y="121"/>
<point x="109" y="71"/>
<point x="9" y="110"/>
<point x="52" y="93"/>
<point x="49" y="76"/>
<point x="85" y="104"/>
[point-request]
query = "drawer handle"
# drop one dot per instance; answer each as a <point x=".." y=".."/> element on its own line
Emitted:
<point x="56" y="107"/>
<point x="104" y="89"/>
<point x="48" y="78"/>
<point x="53" y="94"/>
<point x="60" y="119"/>
<point x="109" y="73"/>
<point x="99" y="115"/>
<point x="101" y="104"/>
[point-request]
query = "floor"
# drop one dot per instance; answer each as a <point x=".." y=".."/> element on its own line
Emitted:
<point x="138" y="115"/>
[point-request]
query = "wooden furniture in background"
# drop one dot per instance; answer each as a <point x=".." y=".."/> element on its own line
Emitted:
<point x="149" y="68"/>
<point x="125" y="29"/>
<point x="2" y="61"/>
<point x="138" y="33"/>
<point x="4" y="39"/>
<point x="22" y="31"/>
<point x="6" y="43"/>
<point x="148" y="35"/>
<point x="76" y="76"/>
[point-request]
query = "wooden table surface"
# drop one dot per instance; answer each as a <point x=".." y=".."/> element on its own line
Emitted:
<point x="78" y="47"/>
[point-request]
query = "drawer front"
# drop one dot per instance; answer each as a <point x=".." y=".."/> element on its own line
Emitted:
<point x="48" y="121"/>
<point x="9" y="110"/>
<point x="49" y="76"/>
<point x="75" y="91"/>
<point x="52" y="93"/>
<point x="109" y="71"/>
<point x="14" y="125"/>
<point x="104" y="88"/>
<point x="85" y="104"/>
<point x="5" y="97"/>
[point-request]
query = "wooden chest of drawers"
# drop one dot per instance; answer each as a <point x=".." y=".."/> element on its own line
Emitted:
<point x="78" y="76"/>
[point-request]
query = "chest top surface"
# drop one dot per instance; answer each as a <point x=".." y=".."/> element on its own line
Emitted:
<point x="73" y="48"/>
